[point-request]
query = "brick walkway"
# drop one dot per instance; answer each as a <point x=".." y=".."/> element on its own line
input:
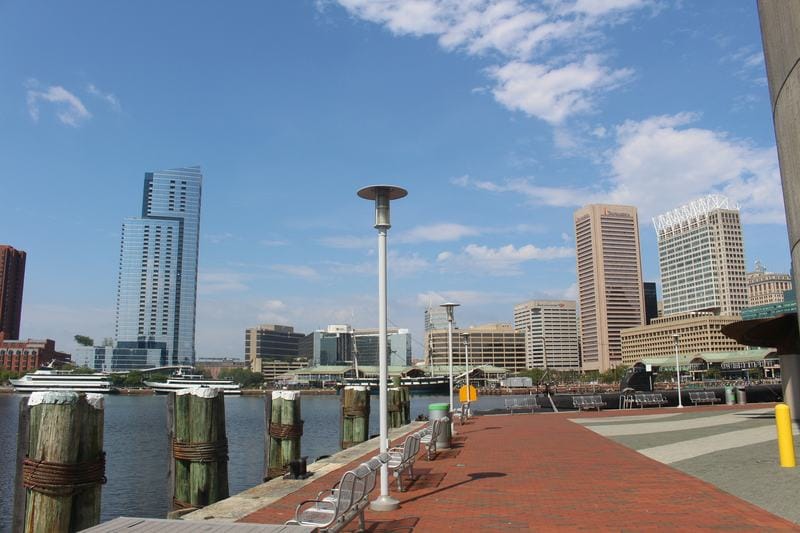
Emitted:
<point x="542" y="472"/>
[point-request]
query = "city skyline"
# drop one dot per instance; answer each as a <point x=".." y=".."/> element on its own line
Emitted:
<point x="499" y="131"/>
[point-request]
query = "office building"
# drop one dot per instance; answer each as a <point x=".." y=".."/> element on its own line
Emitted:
<point x="270" y="342"/>
<point x="12" y="279"/>
<point x="551" y="333"/>
<point x="398" y="346"/>
<point x="766" y="287"/>
<point x="157" y="288"/>
<point x="23" y="356"/>
<point x="650" y="301"/>
<point x="701" y="255"/>
<point x="343" y="345"/>
<point x="609" y="281"/>
<point x="697" y="332"/>
<point x="498" y="345"/>
<point x="436" y="318"/>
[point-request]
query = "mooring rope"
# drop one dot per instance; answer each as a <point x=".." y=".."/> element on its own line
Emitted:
<point x="201" y="452"/>
<point x="285" y="431"/>
<point x="353" y="412"/>
<point x="62" y="479"/>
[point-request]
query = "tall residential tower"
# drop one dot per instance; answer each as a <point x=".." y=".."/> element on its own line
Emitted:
<point x="157" y="288"/>
<point x="701" y="254"/>
<point x="609" y="281"/>
<point x="12" y="279"/>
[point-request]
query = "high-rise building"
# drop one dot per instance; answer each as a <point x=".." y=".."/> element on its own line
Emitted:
<point x="609" y="281"/>
<point x="551" y="333"/>
<point x="157" y="290"/>
<point x="766" y="287"/>
<point x="491" y="344"/>
<point x="12" y="279"/>
<point x="270" y="342"/>
<point x="650" y="301"/>
<point x="343" y="345"/>
<point x="701" y="255"/>
<point x="436" y="318"/>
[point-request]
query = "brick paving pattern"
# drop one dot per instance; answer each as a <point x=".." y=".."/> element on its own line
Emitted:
<point x="544" y="473"/>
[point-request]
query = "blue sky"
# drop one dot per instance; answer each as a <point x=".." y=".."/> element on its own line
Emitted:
<point x="501" y="117"/>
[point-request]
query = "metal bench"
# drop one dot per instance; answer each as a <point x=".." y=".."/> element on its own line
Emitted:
<point x="646" y="400"/>
<point x="401" y="459"/>
<point x="332" y="513"/>
<point x="697" y="397"/>
<point x="430" y="435"/>
<point x="528" y="402"/>
<point x="588" y="402"/>
<point x="336" y="507"/>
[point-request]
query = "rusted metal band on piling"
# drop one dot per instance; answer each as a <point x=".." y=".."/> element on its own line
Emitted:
<point x="200" y="452"/>
<point x="285" y="431"/>
<point x="60" y="479"/>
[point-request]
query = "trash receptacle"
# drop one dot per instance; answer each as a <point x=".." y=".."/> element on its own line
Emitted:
<point x="436" y="411"/>
<point x="730" y="399"/>
<point x="741" y="395"/>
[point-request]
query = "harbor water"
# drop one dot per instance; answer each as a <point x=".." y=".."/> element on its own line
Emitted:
<point x="136" y="446"/>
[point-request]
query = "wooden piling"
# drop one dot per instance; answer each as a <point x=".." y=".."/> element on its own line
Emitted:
<point x="395" y="407"/>
<point x="199" y="448"/>
<point x="355" y="415"/>
<point x="64" y="465"/>
<point x="285" y="428"/>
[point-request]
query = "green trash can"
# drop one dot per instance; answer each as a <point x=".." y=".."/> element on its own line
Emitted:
<point x="730" y="399"/>
<point x="435" y="412"/>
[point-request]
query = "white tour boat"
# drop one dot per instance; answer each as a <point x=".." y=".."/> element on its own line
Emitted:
<point x="50" y="379"/>
<point x="180" y="381"/>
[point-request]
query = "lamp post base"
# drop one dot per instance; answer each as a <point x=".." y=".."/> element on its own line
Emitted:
<point x="384" y="503"/>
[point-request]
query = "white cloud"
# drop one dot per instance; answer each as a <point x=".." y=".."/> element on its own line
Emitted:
<point x="400" y="265"/>
<point x="554" y="93"/>
<point x="502" y="261"/>
<point x="298" y="271"/>
<point x="109" y="98"/>
<point x="437" y="233"/>
<point x="660" y="163"/>
<point x="69" y="108"/>
<point x="221" y="282"/>
<point x="516" y="31"/>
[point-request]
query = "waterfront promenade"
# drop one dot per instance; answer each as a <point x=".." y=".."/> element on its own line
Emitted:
<point x="582" y="471"/>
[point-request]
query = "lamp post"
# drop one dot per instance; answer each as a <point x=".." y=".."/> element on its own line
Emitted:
<point x="465" y="336"/>
<point x="449" y="308"/>
<point x="678" y="369"/>
<point x="382" y="194"/>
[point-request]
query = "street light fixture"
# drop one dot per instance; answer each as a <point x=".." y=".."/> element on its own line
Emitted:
<point x="465" y="336"/>
<point x="449" y="306"/>
<point x="675" y="337"/>
<point x="382" y="194"/>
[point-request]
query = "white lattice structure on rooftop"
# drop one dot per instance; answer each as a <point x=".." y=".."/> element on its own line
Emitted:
<point x="692" y="213"/>
<point x="701" y="255"/>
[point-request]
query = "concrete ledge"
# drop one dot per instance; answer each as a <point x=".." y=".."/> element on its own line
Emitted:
<point x="251" y="500"/>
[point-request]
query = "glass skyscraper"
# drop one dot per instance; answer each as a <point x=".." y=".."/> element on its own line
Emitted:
<point x="157" y="288"/>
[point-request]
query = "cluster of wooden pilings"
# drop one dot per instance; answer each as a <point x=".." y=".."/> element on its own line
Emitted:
<point x="61" y="462"/>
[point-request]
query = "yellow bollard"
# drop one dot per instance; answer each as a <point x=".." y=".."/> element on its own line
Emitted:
<point x="783" y="420"/>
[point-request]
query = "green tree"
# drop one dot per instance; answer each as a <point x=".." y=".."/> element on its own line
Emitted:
<point x="242" y="376"/>
<point x="83" y="340"/>
<point x="134" y="379"/>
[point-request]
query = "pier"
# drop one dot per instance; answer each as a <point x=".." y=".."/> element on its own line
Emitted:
<point x="704" y="467"/>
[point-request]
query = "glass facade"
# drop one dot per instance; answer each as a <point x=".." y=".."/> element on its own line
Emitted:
<point x="157" y="286"/>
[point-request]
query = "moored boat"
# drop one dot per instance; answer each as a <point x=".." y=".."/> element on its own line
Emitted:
<point x="180" y="381"/>
<point x="50" y="379"/>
